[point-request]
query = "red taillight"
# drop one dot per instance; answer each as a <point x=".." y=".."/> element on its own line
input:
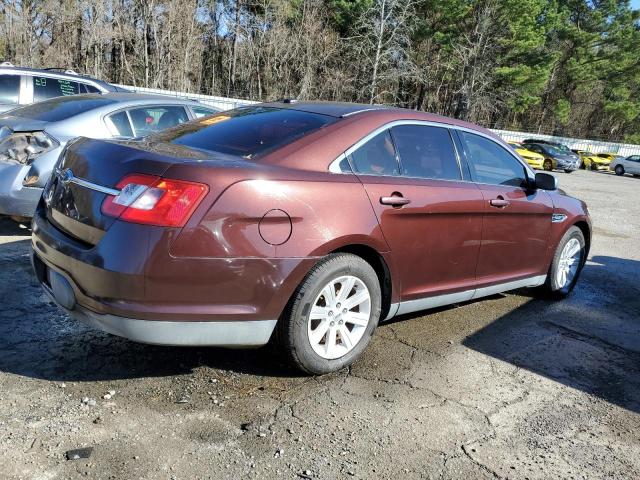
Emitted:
<point x="154" y="200"/>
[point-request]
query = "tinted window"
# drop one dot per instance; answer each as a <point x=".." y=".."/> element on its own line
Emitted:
<point x="119" y="125"/>
<point x="200" y="112"/>
<point x="376" y="157"/>
<point x="247" y="131"/>
<point x="59" y="108"/>
<point x="634" y="158"/>
<point x="426" y="152"/>
<point x="9" y="88"/>
<point x="491" y="163"/>
<point x="45" y="88"/>
<point x="152" y="119"/>
<point x="90" y="88"/>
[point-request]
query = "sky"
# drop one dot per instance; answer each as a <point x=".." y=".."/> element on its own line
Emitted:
<point x="635" y="4"/>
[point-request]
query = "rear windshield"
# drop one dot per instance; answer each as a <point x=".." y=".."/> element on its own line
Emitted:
<point x="247" y="131"/>
<point x="59" y="108"/>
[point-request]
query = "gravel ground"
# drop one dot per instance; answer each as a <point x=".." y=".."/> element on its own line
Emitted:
<point x="508" y="387"/>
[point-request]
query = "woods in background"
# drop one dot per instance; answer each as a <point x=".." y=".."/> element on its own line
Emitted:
<point x="565" y="67"/>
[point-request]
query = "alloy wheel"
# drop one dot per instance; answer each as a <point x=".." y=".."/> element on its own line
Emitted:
<point x="569" y="263"/>
<point x="339" y="317"/>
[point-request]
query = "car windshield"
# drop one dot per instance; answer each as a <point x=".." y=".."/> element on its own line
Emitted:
<point x="554" y="150"/>
<point x="246" y="131"/>
<point x="59" y="108"/>
<point x="561" y="148"/>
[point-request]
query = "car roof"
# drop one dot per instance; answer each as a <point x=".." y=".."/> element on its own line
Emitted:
<point x="56" y="73"/>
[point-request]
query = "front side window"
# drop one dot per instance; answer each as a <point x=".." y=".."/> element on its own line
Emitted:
<point x="45" y="88"/>
<point x="9" y="89"/>
<point x="426" y="152"/>
<point x="491" y="163"/>
<point x="89" y="88"/>
<point x="247" y="131"/>
<point x="634" y="158"/>
<point x="376" y="157"/>
<point x="152" y="119"/>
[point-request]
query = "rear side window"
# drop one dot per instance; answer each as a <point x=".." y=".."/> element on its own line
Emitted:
<point x="85" y="88"/>
<point x="426" y="152"/>
<point x="9" y="89"/>
<point x="45" y="88"/>
<point x="247" y="131"/>
<point x="376" y="157"/>
<point x="119" y="125"/>
<point x="152" y="119"/>
<point x="491" y="163"/>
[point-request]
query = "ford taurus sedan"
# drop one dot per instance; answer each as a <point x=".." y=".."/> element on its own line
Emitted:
<point x="32" y="137"/>
<point x="301" y="223"/>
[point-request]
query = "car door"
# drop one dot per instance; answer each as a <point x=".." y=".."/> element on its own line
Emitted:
<point x="430" y="216"/>
<point x="517" y="219"/>
<point x="632" y="164"/>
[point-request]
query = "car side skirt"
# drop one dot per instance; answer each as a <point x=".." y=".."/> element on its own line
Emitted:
<point x="458" y="297"/>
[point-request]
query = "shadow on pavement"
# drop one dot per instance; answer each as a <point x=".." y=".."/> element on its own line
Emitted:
<point x="590" y="342"/>
<point x="37" y="340"/>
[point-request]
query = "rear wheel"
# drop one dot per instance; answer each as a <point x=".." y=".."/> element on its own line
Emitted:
<point x="331" y="318"/>
<point x="619" y="170"/>
<point x="547" y="165"/>
<point x="566" y="265"/>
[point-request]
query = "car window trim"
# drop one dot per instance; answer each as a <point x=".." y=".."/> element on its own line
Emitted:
<point x="334" y="166"/>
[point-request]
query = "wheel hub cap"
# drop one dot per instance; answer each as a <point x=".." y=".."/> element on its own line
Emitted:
<point x="568" y="264"/>
<point x="339" y="317"/>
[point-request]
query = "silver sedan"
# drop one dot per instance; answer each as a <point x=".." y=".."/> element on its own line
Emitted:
<point x="32" y="137"/>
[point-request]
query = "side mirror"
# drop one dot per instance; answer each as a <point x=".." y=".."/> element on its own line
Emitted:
<point x="546" y="181"/>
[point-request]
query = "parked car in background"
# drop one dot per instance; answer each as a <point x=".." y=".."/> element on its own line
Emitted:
<point x="535" y="160"/>
<point x="313" y="220"/>
<point x="592" y="161"/>
<point x="32" y="137"/>
<point x="556" y="158"/>
<point x="629" y="165"/>
<point x="22" y="86"/>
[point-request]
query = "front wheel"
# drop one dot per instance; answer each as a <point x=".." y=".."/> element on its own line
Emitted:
<point x="566" y="265"/>
<point x="331" y="317"/>
<point x="547" y="165"/>
<point x="619" y="170"/>
<point x="567" y="170"/>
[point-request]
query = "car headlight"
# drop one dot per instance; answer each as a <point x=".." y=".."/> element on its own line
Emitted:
<point x="23" y="147"/>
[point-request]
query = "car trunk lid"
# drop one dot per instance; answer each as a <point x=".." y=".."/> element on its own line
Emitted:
<point x="88" y="172"/>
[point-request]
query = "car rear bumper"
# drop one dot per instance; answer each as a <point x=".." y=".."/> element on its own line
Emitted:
<point x="178" y="301"/>
<point x="16" y="199"/>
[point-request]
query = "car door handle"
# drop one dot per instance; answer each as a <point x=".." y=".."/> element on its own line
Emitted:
<point x="500" y="202"/>
<point x="394" y="200"/>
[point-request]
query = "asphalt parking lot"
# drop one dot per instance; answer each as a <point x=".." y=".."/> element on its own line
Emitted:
<point x="508" y="387"/>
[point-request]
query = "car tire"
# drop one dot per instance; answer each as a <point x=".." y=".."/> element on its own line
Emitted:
<point x="299" y="332"/>
<point x="558" y="286"/>
<point x="594" y="167"/>
<point x="567" y="171"/>
<point x="547" y="165"/>
<point x="619" y="170"/>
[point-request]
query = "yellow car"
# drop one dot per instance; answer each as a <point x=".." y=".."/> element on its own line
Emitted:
<point x="535" y="160"/>
<point x="595" y="161"/>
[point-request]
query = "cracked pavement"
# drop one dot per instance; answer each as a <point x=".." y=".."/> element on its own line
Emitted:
<point x="508" y="387"/>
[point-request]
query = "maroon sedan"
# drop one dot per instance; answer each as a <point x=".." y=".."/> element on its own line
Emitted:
<point x="305" y="222"/>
